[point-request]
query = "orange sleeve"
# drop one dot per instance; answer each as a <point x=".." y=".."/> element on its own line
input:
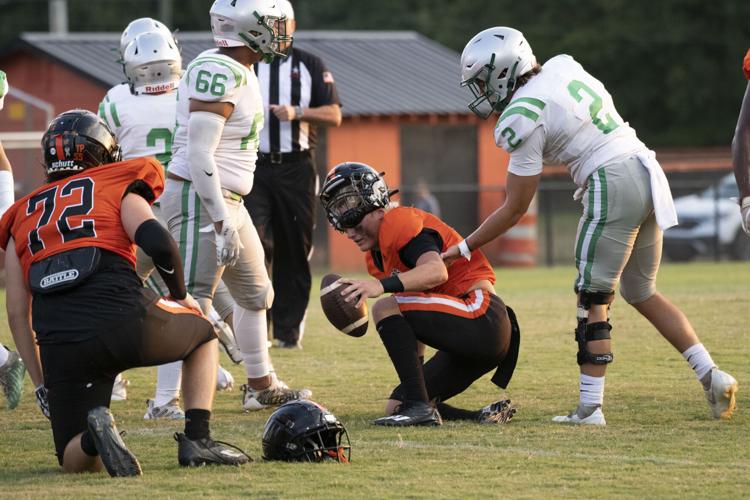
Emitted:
<point x="746" y="65"/>
<point x="400" y="225"/>
<point x="152" y="173"/>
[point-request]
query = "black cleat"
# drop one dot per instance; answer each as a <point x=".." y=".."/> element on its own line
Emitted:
<point x="498" y="412"/>
<point x="206" y="451"/>
<point x="411" y="413"/>
<point x="115" y="456"/>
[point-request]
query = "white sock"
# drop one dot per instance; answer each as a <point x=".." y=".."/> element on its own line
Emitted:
<point x="168" y="380"/>
<point x="699" y="359"/>
<point x="591" y="390"/>
<point x="251" y="332"/>
<point x="4" y="353"/>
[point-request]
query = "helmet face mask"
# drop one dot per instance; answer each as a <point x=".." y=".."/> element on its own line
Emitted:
<point x="491" y="63"/>
<point x="303" y="431"/>
<point x="350" y="192"/>
<point x="152" y="63"/>
<point x="75" y="141"/>
<point x="257" y="24"/>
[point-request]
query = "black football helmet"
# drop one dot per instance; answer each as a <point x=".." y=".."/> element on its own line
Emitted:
<point x="351" y="191"/>
<point x="304" y="431"/>
<point x="77" y="140"/>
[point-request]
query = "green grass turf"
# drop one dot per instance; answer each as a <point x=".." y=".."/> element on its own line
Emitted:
<point x="659" y="442"/>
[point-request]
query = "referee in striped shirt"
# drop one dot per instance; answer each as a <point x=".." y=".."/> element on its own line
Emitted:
<point x="298" y="94"/>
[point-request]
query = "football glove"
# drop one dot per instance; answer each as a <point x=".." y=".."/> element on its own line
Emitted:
<point x="41" y="399"/>
<point x="228" y="244"/>
<point x="745" y="211"/>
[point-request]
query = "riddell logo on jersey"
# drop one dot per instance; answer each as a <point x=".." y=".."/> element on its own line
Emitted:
<point x="150" y="89"/>
<point x="57" y="278"/>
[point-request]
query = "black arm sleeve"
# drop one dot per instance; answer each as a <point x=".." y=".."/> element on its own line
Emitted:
<point x="142" y="189"/>
<point x="426" y="241"/>
<point x="159" y="245"/>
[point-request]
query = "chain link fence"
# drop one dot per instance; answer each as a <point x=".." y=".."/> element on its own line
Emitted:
<point x="709" y="220"/>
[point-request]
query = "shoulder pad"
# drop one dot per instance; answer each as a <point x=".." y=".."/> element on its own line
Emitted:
<point x="214" y="79"/>
<point x="400" y="225"/>
<point x="519" y="119"/>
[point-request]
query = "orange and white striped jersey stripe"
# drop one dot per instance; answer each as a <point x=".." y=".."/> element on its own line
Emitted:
<point x="472" y="305"/>
<point x="174" y="307"/>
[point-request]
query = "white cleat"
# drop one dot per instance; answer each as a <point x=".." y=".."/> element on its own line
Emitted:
<point x="224" y="380"/>
<point x="169" y="411"/>
<point x="275" y="395"/>
<point x="595" y="418"/>
<point x="721" y="394"/>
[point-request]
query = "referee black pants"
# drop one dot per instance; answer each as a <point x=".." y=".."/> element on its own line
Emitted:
<point x="282" y="205"/>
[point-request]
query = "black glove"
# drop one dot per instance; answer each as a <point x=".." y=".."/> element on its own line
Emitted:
<point x="41" y="399"/>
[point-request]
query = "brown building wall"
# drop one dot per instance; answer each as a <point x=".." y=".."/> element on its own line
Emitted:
<point x="53" y="82"/>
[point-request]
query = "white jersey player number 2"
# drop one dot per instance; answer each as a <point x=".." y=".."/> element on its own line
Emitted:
<point x="577" y="89"/>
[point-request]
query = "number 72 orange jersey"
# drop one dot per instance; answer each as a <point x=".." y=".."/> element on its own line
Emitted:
<point x="79" y="211"/>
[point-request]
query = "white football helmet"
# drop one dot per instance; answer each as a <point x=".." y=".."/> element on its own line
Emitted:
<point x="152" y="63"/>
<point x="491" y="63"/>
<point x="143" y="25"/>
<point x="286" y="8"/>
<point x="258" y="24"/>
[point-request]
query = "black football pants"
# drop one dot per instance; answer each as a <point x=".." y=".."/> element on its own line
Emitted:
<point x="282" y="205"/>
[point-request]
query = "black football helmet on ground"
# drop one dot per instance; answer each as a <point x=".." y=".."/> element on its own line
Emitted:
<point x="76" y="140"/>
<point x="351" y="191"/>
<point x="304" y="431"/>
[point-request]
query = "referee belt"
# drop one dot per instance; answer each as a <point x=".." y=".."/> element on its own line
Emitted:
<point x="277" y="158"/>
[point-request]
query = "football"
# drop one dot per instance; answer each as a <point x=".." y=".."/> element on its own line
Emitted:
<point x="351" y="320"/>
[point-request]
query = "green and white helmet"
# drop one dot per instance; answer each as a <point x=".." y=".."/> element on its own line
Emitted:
<point x="140" y="26"/>
<point x="3" y="87"/>
<point x="152" y="63"/>
<point x="258" y="24"/>
<point x="491" y="63"/>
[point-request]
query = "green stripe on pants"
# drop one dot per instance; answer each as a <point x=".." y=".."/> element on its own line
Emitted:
<point x="596" y="214"/>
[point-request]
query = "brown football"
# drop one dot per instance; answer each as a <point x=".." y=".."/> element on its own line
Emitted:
<point x="344" y="316"/>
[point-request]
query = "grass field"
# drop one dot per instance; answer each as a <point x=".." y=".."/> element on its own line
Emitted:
<point x="659" y="442"/>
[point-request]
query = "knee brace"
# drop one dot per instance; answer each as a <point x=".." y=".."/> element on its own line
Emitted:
<point x="593" y="331"/>
<point x="585" y="333"/>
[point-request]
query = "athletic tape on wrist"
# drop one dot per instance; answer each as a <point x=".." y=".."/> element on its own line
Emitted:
<point x="463" y="247"/>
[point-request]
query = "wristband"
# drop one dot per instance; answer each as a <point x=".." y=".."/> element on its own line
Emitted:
<point x="463" y="247"/>
<point x="298" y="112"/>
<point x="392" y="284"/>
